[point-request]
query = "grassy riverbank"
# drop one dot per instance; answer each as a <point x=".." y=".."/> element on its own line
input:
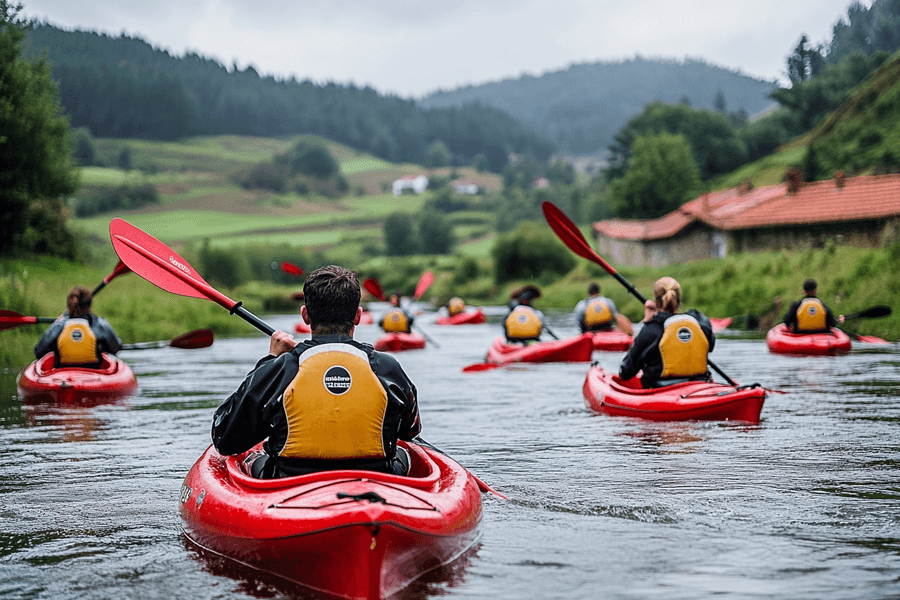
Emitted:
<point x="850" y="280"/>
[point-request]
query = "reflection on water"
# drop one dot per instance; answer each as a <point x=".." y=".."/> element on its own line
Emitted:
<point x="805" y="505"/>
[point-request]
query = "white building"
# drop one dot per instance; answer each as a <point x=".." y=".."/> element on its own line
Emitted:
<point x="416" y="183"/>
<point x="465" y="186"/>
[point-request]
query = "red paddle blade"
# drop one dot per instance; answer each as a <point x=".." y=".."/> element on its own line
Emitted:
<point x="11" y="320"/>
<point x="424" y="281"/>
<point x="160" y="265"/>
<point x="291" y="269"/>
<point x="373" y="287"/>
<point x="871" y="339"/>
<point x="199" y="338"/>
<point x="571" y="236"/>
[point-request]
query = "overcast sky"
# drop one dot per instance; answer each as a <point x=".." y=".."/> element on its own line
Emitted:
<point x="411" y="48"/>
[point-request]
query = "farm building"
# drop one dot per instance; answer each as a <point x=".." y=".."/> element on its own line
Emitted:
<point x="861" y="211"/>
<point x="465" y="186"/>
<point x="416" y="183"/>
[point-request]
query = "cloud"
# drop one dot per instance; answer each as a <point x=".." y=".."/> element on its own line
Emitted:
<point x="411" y="48"/>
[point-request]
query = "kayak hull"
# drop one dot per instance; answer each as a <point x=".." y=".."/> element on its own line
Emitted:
<point x="573" y="349"/>
<point x="780" y="340"/>
<point x="606" y="393"/>
<point x="399" y="342"/>
<point x="301" y="327"/>
<point x="469" y="317"/>
<point x="352" y="534"/>
<point x="41" y="382"/>
<point x="612" y="341"/>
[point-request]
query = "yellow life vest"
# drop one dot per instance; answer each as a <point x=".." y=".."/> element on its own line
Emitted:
<point x="523" y="324"/>
<point x="77" y="344"/>
<point x="683" y="347"/>
<point x="456" y="306"/>
<point x="396" y="321"/>
<point x="335" y="406"/>
<point x="597" y="314"/>
<point x="811" y="315"/>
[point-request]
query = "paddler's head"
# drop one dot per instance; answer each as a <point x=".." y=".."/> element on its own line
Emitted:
<point x="593" y="289"/>
<point x="332" y="300"/>
<point x="667" y="294"/>
<point x="809" y="287"/>
<point x="78" y="302"/>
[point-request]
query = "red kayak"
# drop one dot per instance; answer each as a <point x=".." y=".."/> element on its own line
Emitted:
<point x="398" y="342"/>
<point x="612" y="341"/>
<point x="573" y="349"/>
<point x="469" y="317"/>
<point x="301" y="327"/>
<point x="352" y="534"/>
<point x="366" y="318"/>
<point x="780" y="340"/>
<point x="40" y="381"/>
<point x="688" y="401"/>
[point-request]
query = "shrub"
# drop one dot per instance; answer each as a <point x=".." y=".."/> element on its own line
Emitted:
<point x="529" y="251"/>
<point x="123" y="197"/>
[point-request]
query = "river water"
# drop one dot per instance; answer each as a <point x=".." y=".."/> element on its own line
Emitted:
<point x="805" y="505"/>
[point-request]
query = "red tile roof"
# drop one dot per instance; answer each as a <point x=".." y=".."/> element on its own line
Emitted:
<point x="861" y="198"/>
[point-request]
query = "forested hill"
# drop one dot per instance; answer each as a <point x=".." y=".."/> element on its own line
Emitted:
<point x="123" y="87"/>
<point x="581" y="108"/>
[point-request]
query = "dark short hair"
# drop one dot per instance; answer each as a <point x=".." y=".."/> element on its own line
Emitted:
<point x="593" y="288"/>
<point x="332" y="299"/>
<point x="809" y="285"/>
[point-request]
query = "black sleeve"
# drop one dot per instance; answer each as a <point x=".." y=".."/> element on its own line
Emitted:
<point x="633" y="362"/>
<point x="830" y="320"/>
<point x="106" y="336"/>
<point x="402" y="394"/>
<point x="238" y="423"/>
<point x="47" y="343"/>
<point x="790" y="317"/>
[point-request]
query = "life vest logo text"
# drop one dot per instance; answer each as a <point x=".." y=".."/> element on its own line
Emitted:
<point x="337" y="380"/>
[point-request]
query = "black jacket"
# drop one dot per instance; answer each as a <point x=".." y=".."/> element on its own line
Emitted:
<point x="254" y="412"/>
<point x="644" y="355"/>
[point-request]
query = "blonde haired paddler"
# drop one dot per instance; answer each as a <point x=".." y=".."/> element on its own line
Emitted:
<point x="79" y="336"/>
<point x="810" y="315"/>
<point x="326" y="403"/>
<point x="670" y="347"/>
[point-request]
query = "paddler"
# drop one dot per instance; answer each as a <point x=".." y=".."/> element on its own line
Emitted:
<point x="78" y="336"/>
<point x="326" y="403"/>
<point x="456" y="306"/>
<point x="598" y="313"/>
<point x="523" y="323"/>
<point x="396" y="319"/>
<point x="809" y="314"/>
<point x="670" y="347"/>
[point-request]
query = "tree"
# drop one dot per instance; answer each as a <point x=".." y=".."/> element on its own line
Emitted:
<point x="661" y="177"/>
<point x="399" y="237"/>
<point x="84" y="151"/>
<point x="435" y="233"/>
<point x="124" y="161"/>
<point x="438" y="155"/>
<point x="714" y="141"/>
<point x="35" y="145"/>
<point x="805" y="63"/>
<point x="719" y="103"/>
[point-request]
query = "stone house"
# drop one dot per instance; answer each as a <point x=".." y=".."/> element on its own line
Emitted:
<point x="862" y="211"/>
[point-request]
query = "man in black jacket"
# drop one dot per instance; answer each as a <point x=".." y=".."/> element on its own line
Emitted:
<point x="326" y="403"/>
